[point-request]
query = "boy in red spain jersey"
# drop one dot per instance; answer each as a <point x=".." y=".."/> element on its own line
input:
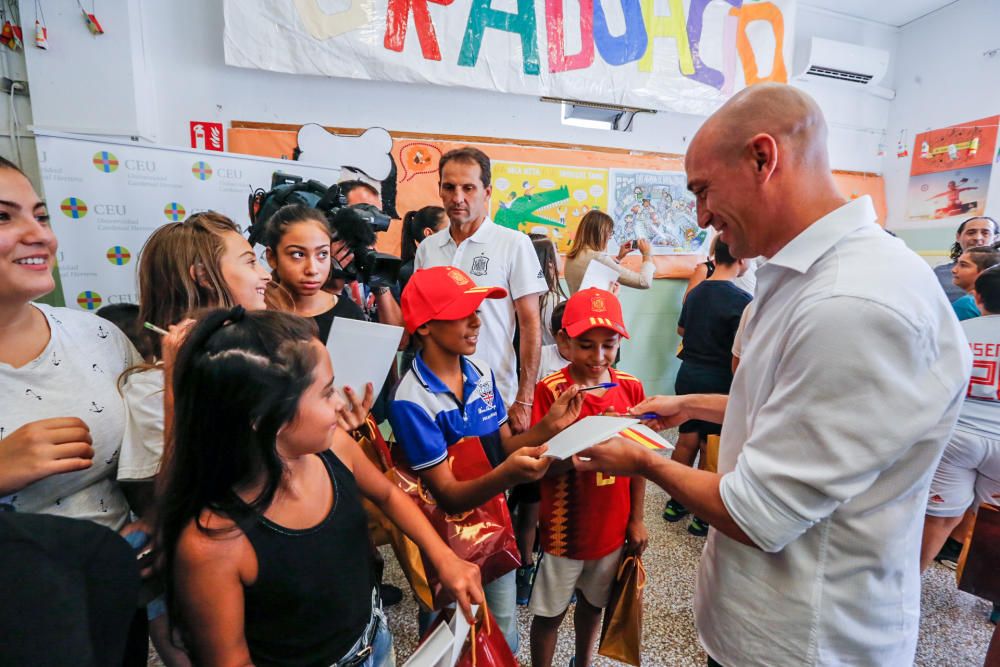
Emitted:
<point x="587" y="519"/>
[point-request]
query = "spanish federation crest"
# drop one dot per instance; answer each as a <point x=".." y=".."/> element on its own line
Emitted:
<point x="479" y="265"/>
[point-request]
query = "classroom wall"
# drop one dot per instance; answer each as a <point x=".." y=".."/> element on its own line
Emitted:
<point x="160" y="65"/>
<point x="944" y="78"/>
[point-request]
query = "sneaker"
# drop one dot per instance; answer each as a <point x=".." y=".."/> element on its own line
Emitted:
<point x="391" y="595"/>
<point x="525" y="580"/>
<point x="674" y="511"/>
<point x="698" y="527"/>
<point x="948" y="556"/>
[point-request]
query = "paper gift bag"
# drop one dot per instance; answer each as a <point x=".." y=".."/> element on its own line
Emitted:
<point x="621" y="633"/>
<point x="712" y="454"/>
<point x="384" y="531"/>
<point x="977" y="571"/>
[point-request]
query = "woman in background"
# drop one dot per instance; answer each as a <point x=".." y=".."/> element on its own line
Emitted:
<point x="549" y="261"/>
<point x="591" y="243"/>
<point x="298" y="249"/>
<point x="417" y="225"/>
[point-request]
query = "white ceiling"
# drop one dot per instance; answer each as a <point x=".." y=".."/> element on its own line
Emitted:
<point x="891" y="12"/>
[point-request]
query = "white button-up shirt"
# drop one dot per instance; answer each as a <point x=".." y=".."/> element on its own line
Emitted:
<point x="852" y="373"/>
<point x="493" y="256"/>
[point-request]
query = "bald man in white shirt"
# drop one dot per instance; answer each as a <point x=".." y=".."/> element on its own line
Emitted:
<point x="852" y="372"/>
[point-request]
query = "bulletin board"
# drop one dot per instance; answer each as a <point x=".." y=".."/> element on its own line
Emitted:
<point x="563" y="181"/>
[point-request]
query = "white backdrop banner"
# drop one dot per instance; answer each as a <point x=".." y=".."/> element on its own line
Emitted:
<point x="680" y="55"/>
<point x="105" y="198"/>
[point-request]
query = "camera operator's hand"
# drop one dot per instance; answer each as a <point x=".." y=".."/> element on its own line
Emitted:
<point x="341" y="253"/>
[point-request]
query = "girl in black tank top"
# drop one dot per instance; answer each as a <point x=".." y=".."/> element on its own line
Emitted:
<point x="264" y="540"/>
<point x="312" y="596"/>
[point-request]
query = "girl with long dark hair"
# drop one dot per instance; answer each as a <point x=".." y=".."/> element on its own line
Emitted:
<point x="298" y="249"/>
<point x="417" y="226"/>
<point x="263" y="535"/>
<point x="549" y="260"/>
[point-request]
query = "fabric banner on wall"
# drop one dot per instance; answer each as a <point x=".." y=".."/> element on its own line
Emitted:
<point x="680" y="55"/>
<point x="105" y="198"/>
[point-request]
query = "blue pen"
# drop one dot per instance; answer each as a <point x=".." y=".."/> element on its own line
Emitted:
<point x="599" y="385"/>
<point x="642" y="417"/>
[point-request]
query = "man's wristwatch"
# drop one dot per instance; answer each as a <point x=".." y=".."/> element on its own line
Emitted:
<point x="380" y="290"/>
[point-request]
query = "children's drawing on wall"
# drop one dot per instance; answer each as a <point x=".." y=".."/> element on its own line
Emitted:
<point x="655" y="206"/>
<point x="546" y="199"/>
<point x="946" y="194"/>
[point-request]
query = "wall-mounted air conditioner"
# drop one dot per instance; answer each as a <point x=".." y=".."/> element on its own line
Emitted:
<point x="846" y="64"/>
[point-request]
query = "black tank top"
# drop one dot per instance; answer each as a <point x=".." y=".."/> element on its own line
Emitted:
<point x="312" y="597"/>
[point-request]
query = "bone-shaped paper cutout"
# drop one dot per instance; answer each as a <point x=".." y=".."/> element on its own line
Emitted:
<point x="368" y="152"/>
<point x="322" y="25"/>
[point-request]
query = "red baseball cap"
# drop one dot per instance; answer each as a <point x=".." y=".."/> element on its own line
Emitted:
<point x="442" y="293"/>
<point x="593" y="308"/>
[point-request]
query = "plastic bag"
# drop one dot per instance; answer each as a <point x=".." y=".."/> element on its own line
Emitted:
<point x="483" y="535"/>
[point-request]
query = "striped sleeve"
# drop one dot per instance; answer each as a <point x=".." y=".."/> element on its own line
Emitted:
<point x="417" y="433"/>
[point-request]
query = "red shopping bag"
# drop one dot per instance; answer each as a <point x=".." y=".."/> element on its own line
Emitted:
<point x="483" y="535"/>
<point x="486" y="647"/>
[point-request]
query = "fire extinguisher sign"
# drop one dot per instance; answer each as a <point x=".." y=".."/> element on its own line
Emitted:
<point x="206" y="136"/>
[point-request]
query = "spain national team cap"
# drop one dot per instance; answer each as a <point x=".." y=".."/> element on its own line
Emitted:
<point x="442" y="293"/>
<point x="592" y="308"/>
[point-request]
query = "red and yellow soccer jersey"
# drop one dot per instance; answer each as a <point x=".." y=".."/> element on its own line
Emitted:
<point x="584" y="514"/>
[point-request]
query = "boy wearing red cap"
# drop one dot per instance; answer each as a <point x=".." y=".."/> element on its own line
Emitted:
<point x="587" y="518"/>
<point x="446" y="397"/>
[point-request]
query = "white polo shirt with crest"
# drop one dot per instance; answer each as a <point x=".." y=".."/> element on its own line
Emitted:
<point x="852" y="372"/>
<point x="493" y="256"/>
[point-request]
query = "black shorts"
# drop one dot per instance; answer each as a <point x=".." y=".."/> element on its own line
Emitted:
<point x="525" y="494"/>
<point x="695" y="378"/>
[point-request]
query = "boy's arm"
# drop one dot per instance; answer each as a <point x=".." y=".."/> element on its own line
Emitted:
<point x="458" y="576"/>
<point x="636" y="534"/>
<point x="425" y="449"/>
<point x="548" y="417"/>
<point x="454" y="497"/>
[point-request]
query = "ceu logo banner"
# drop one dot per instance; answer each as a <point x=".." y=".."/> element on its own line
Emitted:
<point x="119" y="255"/>
<point x="105" y="161"/>
<point x="201" y="170"/>
<point x="73" y="207"/>
<point x="174" y="212"/>
<point x="88" y="300"/>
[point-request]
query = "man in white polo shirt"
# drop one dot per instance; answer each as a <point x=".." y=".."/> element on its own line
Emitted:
<point x="495" y="257"/>
<point x="852" y="372"/>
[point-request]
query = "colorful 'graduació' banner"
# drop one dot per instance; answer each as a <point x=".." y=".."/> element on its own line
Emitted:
<point x="678" y="55"/>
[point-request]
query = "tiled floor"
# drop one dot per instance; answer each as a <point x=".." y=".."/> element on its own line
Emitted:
<point x="954" y="627"/>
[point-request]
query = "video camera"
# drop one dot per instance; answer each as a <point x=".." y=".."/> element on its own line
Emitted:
<point x="355" y="225"/>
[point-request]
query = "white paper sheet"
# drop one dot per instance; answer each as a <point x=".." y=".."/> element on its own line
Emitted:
<point x="362" y="352"/>
<point x="460" y="630"/>
<point x="598" y="275"/>
<point x="436" y="650"/>
<point x="586" y="433"/>
<point x="443" y="647"/>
